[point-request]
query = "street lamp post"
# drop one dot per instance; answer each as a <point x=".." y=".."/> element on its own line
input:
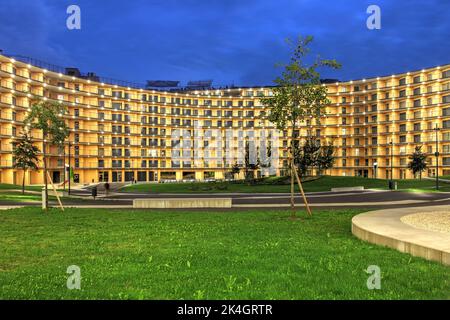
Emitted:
<point x="375" y="166"/>
<point x="436" y="154"/>
<point x="391" y="184"/>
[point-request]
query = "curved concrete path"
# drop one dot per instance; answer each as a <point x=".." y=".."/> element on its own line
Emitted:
<point x="383" y="227"/>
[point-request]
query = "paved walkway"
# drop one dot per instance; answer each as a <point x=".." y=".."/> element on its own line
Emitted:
<point x="376" y="199"/>
<point x="384" y="227"/>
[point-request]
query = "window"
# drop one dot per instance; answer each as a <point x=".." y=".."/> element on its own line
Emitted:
<point x="402" y="128"/>
<point x="117" y="94"/>
<point x="446" y="99"/>
<point x="446" y="136"/>
<point x="446" y="124"/>
<point x="117" y="163"/>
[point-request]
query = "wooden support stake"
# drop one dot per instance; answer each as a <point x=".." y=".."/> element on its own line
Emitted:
<point x="54" y="190"/>
<point x="294" y="171"/>
<point x="302" y="192"/>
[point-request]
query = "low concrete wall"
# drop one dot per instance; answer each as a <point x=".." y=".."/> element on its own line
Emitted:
<point x="384" y="227"/>
<point x="176" y="203"/>
<point x="359" y="188"/>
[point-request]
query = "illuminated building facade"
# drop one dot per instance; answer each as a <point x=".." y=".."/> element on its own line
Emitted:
<point x="124" y="132"/>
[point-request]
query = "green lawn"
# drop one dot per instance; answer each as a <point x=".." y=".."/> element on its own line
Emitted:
<point x="6" y="186"/>
<point x="126" y="254"/>
<point x="324" y="183"/>
<point x="17" y="196"/>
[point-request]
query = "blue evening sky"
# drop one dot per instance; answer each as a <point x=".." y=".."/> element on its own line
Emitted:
<point x="230" y="41"/>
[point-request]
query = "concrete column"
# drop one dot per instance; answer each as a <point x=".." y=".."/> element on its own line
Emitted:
<point x="199" y="175"/>
<point x="218" y="175"/>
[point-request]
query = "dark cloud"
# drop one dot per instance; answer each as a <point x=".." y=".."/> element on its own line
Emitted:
<point x="226" y="40"/>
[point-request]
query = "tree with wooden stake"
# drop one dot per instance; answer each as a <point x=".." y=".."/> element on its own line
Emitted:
<point x="47" y="116"/>
<point x="298" y="96"/>
<point x="25" y="156"/>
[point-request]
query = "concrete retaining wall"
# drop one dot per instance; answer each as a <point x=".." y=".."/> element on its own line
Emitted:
<point x="177" y="203"/>
<point x="384" y="227"/>
<point x="359" y="188"/>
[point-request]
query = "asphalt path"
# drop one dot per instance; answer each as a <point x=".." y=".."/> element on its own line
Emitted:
<point x="350" y="199"/>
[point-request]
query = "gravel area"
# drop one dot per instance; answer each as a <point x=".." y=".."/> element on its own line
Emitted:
<point x="433" y="220"/>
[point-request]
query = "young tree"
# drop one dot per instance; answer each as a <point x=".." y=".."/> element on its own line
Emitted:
<point x="298" y="96"/>
<point x="46" y="116"/>
<point x="235" y="169"/>
<point x="307" y="155"/>
<point x="25" y="156"/>
<point x="249" y="165"/>
<point x="313" y="155"/>
<point x="325" y="159"/>
<point x="418" y="162"/>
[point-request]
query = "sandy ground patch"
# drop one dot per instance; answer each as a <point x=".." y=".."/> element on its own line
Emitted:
<point x="433" y="220"/>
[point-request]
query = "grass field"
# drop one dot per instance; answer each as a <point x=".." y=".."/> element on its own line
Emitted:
<point x="324" y="183"/>
<point x="126" y="254"/>
<point x="17" y="196"/>
<point x="6" y="186"/>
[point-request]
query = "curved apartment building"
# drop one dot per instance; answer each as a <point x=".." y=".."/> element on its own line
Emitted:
<point x="125" y="132"/>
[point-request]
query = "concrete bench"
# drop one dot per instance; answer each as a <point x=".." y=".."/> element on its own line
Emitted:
<point x="175" y="203"/>
<point x="359" y="188"/>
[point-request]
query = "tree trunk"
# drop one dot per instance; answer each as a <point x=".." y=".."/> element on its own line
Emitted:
<point x="292" y="189"/>
<point x="292" y="164"/>
<point x="23" y="181"/>
<point x="45" y="174"/>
